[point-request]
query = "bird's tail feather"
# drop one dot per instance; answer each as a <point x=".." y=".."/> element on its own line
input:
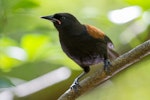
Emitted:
<point x="112" y="54"/>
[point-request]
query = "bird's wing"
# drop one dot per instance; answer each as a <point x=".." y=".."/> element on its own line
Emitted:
<point x="94" y="32"/>
<point x="99" y="34"/>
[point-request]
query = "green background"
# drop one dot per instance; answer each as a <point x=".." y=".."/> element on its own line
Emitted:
<point x="29" y="46"/>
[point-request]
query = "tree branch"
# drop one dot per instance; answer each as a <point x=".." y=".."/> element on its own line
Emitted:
<point x="118" y="65"/>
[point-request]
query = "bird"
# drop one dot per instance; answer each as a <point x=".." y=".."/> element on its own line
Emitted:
<point x="85" y="44"/>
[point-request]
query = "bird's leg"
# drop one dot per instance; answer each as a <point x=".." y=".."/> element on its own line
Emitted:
<point x="107" y="65"/>
<point x="75" y="85"/>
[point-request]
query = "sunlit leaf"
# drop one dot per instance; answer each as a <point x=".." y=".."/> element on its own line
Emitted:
<point x="35" y="45"/>
<point x="5" y="41"/>
<point x="145" y="4"/>
<point x="26" y="4"/>
<point x="7" y="63"/>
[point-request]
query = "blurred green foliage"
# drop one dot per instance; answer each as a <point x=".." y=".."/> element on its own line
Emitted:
<point x="29" y="46"/>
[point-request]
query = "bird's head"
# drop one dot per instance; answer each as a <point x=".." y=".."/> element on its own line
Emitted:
<point x="62" y="20"/>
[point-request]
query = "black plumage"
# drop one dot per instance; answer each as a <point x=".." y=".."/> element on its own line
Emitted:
<point x="84" y="44"/>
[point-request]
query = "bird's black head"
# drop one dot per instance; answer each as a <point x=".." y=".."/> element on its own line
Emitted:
<point x="62" y="21"/>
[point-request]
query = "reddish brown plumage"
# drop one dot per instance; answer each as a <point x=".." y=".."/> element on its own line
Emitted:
<point x="95" y="32"/>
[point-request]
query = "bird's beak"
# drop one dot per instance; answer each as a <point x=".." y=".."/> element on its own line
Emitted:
<point x="51" y="18"/>
<point x="48" y="17"/>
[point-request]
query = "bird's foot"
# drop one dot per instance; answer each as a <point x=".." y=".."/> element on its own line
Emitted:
<point x="75" y="86"/>
<point x="107" y="65"/>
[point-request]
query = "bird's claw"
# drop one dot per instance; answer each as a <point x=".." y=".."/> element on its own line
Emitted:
<point x="107" y="65"/>
<point x="75" y="86"/>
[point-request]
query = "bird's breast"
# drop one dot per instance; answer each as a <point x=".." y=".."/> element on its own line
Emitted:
<point x="83" y="49"/>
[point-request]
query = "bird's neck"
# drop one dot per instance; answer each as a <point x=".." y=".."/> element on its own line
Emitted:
<point x="75" y="29"/>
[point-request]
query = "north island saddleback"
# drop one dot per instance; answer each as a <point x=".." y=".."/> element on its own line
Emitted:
<point x="84" y="44"/>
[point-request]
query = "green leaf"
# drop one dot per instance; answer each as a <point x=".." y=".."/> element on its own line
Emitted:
<point x="35" y="45"/>
<point x="7" y="63"/>
<point x="26" y="4"/>
<point x="145" y="4"/>
<point x="5" y="82"/>
<point x="5" y="41"/>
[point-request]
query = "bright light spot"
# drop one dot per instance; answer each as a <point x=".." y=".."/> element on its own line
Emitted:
<point x="146" y="17"/>
<point x="17" y="53"/>
<point x="6" y="95"/>
<point x="124" y="15"/>
<point x="132" y="31"/>
<point x="42" y="82"/>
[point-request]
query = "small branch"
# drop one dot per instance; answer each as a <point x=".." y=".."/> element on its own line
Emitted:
<point x="118" y="65"/>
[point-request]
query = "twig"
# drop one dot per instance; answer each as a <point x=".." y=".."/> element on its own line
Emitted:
<point x="118" y="65"/>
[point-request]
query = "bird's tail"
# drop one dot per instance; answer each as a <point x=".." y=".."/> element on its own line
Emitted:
<point x="112" y="54"/>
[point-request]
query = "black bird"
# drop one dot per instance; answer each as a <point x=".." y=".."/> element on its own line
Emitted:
<point x="84" y="44"/>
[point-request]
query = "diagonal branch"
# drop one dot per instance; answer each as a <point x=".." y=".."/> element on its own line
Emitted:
<point x="119" y="64"/>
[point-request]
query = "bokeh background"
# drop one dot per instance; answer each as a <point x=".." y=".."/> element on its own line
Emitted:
<point x="29" y="45"/>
